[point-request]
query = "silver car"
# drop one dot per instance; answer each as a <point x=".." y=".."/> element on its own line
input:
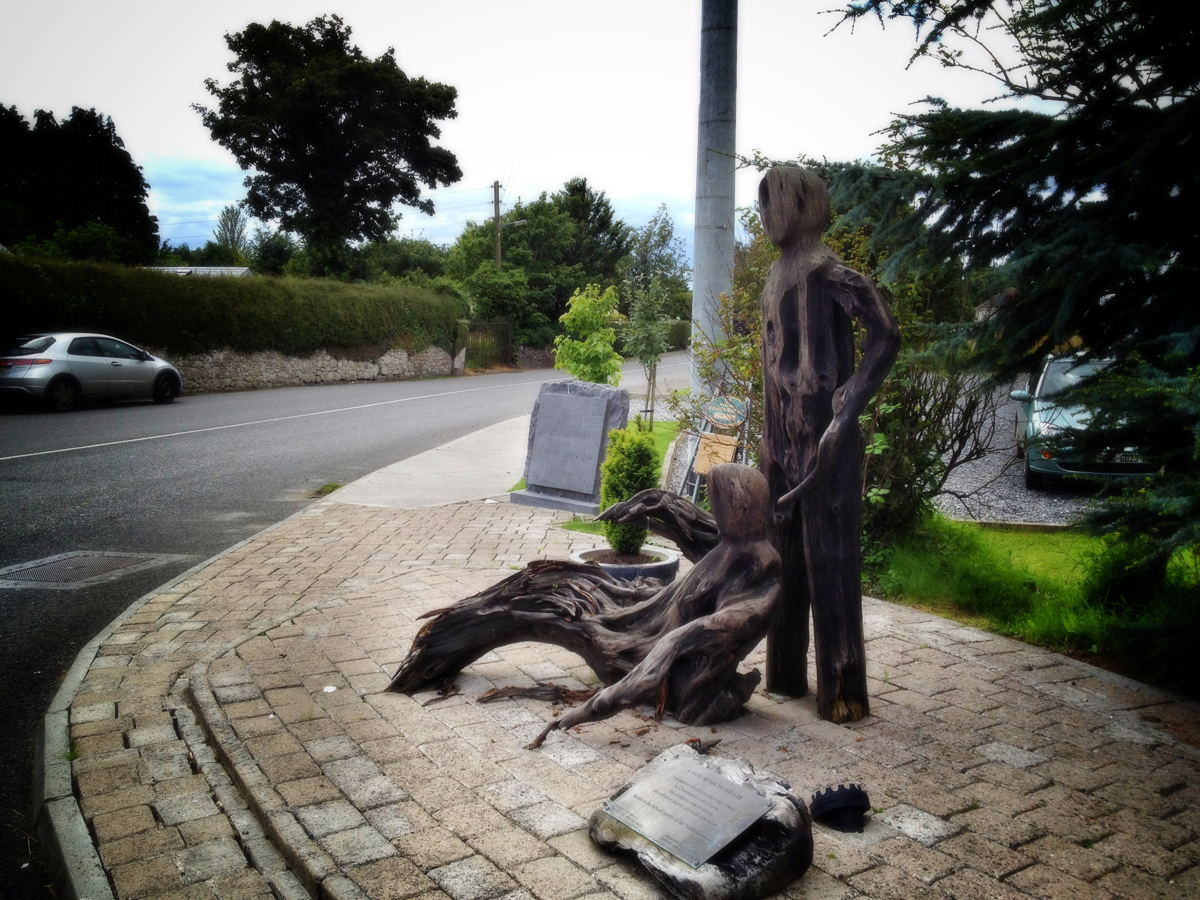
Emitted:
<point x="63" y="368"/>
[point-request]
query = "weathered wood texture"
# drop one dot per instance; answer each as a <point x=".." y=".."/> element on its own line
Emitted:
<point x="693" y="530"/>
<point x="677" y="647"/>
<point x="811" y="448"/>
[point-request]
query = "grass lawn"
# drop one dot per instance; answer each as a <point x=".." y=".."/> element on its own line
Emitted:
<point x="1041" y="587"/>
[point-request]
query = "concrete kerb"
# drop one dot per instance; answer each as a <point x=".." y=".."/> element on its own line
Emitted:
<point x="71" y="855"/>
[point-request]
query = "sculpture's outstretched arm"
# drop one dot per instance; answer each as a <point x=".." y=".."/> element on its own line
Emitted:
<point x="695" y="664"/>
<point x="862" y="301"/>
<point x="692" y="529"/>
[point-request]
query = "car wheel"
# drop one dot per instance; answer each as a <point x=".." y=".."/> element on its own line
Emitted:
<point x="164" y="389"/>
<point x="62" y="396"/>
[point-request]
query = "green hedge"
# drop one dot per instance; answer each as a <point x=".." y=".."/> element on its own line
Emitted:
<point x="192" y="314"/>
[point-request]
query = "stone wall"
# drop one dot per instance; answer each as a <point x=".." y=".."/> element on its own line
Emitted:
<point x="534" y="357"/>
<point x="229" y="370"/>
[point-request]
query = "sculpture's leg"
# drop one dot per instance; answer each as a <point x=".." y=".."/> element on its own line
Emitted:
<point x="787" y="640"/>
<point x="832" y="514"/>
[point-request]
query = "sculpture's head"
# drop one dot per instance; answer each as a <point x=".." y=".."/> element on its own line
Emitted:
<point x="740" y="497"/>
<point x="793" y="204"/>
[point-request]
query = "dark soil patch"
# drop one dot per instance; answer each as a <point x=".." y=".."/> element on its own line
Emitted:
<point x="622" y="559"/>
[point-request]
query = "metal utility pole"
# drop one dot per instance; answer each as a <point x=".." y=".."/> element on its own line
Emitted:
<point x="712" y="272"/>
<point x="496" y="218"/>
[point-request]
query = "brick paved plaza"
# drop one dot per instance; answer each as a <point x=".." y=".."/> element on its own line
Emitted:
<point x="231" y="740"/>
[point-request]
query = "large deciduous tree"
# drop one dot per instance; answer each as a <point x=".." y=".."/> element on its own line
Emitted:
<point x="70" y="188"/>
<point x="1083" y="197"/>
<point x="334" y="139"/>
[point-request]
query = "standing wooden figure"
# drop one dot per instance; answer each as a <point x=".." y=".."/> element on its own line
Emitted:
<point x="811" y="446"/>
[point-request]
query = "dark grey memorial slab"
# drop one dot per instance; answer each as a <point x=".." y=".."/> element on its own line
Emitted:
<point x="568" y="436"/>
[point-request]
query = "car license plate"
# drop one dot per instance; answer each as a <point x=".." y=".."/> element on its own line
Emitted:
<point x="1128" y="459"/>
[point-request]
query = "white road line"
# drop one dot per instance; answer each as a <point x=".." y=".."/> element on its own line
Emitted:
<point x="323" y="412"/>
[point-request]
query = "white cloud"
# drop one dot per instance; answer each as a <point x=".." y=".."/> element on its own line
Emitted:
<point x="548" y="90"/>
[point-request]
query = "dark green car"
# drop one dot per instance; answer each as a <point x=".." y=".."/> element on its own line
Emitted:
<point x="1041" y="418"/>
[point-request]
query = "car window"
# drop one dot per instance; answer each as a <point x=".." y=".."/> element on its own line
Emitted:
<point x="26" y="346"/>
<point x="1065" y="373"/>
<point x="117" y="349"/>
<point x="84" y="346"/>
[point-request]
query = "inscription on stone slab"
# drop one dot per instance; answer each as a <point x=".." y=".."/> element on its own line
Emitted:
<point x="567" y="442"/>
<point x="689" y="810"/>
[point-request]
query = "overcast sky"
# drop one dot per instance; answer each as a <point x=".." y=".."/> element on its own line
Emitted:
<point x="547" y="90"/>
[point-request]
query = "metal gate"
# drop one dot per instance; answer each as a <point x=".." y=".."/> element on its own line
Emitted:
<point x="489" y="344"/>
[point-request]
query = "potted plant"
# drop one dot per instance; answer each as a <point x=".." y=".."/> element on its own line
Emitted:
<point x="630" y="466"/>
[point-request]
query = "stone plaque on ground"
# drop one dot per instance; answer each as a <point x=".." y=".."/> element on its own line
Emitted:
<point x="568" y="436"/>
<point x="694" y="802"/>
<point x="689" y="809"/>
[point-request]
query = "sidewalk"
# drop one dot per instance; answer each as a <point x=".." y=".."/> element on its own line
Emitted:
<point x="228" y="737"/>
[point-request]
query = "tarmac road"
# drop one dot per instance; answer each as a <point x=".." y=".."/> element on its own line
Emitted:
<point x="190" y="479"/>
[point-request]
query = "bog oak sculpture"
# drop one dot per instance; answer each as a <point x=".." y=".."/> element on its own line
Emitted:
<point x="778" y="542"/>
<point x="676" y="647"/>
<point x="811" y="446"/>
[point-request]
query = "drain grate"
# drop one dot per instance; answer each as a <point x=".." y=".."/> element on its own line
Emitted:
<point x="80" y="569"/>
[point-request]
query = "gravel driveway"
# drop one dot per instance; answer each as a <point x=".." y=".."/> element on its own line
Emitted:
<point x="996" y="485"/>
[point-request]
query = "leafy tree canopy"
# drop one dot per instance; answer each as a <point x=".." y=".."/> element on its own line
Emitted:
<point x="334" y="139"/>
<point x="601" y="240"/>
<point x="656" y="253"/>
<point x="71" y="189"/>
<point x="1083" y="201"/>
<point x="586" y="350"/>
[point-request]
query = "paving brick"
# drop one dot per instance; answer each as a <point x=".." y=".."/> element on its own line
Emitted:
<point x="211" y="828"/>
<point x="547" y="819"/>
<point x="1002" y="829"/>
<point x="115" y="825"/>
<point x="916" y="859"/>
<point x="292" y="767"/>
<point x="357" y="846"/>
<point x="837" y="857"/>
<point x="986" y="855"/>
<point x="391" y="879"/>
<point x="140" y="846"/>
<point x="1051" y="884"/>
<point x="889" y="883"/>
<point x="143" y="877"/>
<point x="970" y="884"/>
<point x="431" y="847"/>
<point x="174" y="810"/>
<point x="307" y="791"/>
<point x="1085" y="863"/>
<point x="324" y="819"/>
<point x="473" y="878"/>
<point x="210" y="860"/>
<point x="1144" y="855"/>
<point x="508" y="846"/>
<point x="918" y="825"/>
<point x="555" y="878"/>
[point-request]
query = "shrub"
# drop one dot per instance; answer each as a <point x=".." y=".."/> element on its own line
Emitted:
<point x="587" y="349"/>
<point x="631" y="465"/>
<point x="193" y="314"/>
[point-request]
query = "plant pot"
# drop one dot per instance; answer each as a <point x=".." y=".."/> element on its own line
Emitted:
<point x="665" y="564"/>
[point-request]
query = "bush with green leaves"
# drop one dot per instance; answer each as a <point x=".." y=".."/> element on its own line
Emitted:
<point x="586" y="350"/>
<point x="631" y="465"/>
